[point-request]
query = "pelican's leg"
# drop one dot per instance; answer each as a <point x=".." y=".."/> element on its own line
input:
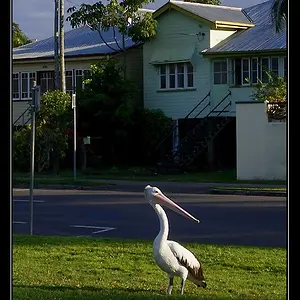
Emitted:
<point x="182" y="286"/>
<point x="170" y="285"/>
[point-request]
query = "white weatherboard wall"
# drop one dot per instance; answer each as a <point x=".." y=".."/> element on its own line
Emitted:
<point x="176" y="30"/>
<point x="172" y="32"/>
<point x="261" y="145"/>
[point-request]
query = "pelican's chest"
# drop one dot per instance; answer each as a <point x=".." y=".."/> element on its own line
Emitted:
<point x="164" y="257"/>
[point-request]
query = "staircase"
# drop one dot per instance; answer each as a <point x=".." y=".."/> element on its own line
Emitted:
<point x="15" y="126"/>
<point x="196" y="140"/>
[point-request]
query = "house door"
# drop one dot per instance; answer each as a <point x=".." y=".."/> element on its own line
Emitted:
<point x="45" y="79"/>
<point x="220" y="85"/>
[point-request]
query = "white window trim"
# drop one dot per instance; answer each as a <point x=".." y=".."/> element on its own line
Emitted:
<point x="261" y="66"/>
<point x="48" y="71"/>
<point x="251" y="70"/>
<point x="270" y="63"/>
<point x="176" y="88"/>
<point x="28" y="84"/>
<point x="72" y="81"/>
<point x="75" y="77"/>
<point x="213" y="71"/>
<point x="19" y="87"/>
<point x="242" y="71"/>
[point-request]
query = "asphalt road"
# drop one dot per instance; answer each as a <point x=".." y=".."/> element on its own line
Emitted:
<point x="225" y="219"/>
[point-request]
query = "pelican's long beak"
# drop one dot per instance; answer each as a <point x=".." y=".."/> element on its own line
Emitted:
<point x="165" y="201"/>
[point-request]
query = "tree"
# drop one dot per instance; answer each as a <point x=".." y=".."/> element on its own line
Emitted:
<point x="275" y="93"/>
<point x="116" y="15"/>
<point x="52" y="122"/>
<point x="19" y="38"/>
<point x="213" y="2"/>
<point x="279" y="14"/>
<point x="105" y="108"/>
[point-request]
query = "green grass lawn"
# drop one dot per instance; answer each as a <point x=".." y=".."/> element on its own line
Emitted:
<point x="138" y="174"/>
<point x="52" y="268"/>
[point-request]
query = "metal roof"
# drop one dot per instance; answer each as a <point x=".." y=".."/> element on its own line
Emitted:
<point x="79" y="41"/>
<point x="214" y="13"/>
<point x="261" y="37"/>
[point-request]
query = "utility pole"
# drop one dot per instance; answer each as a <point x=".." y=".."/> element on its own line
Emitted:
<point x="56" y="56"/>
<point x="75" y="135"/>
<point x="62" y="48"/>
<point x="35" y="106"/>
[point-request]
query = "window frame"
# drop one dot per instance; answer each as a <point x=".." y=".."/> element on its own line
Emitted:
<point x="221" y="61"/>
<point x="167" y="75"/>
<point x="237" y="70"/>
<point x="29" y="87"/>
<point x="70" y="91"/>
<point x="244" y="81"/>
<point x="19" y="88"/>
<point x="82" y="71"/>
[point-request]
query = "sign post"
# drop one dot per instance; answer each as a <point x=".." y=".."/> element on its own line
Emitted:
<point x="35" y="106"/>
<point x="74" y="132"/>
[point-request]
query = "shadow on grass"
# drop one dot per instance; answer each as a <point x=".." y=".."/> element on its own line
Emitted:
<point x="45" y="292"/>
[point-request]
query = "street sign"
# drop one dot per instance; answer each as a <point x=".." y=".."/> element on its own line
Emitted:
<point x="36" y="97"/>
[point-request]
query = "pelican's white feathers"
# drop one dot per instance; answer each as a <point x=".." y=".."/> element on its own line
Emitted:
<point x="184" y="255"/>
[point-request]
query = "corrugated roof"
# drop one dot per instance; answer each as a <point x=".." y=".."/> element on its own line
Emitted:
<point x="261" y="37"/>
<point x="79" y="41"/>
<point x="214" y="13"/>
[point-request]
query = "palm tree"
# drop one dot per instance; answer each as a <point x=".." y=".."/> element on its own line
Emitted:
<point x="279" y="14"/>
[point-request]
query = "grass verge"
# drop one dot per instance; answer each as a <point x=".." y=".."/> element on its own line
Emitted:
<point x="136" y="174"/>
<point x="87" y="268"/>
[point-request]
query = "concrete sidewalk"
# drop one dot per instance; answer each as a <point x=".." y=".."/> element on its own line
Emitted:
<point x="175" y="187"/>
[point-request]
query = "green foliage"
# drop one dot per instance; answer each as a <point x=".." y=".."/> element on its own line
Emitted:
<point x="155" y="126"/>
<point x="21" y="149"/>
<point x="107" y="96"/>
<point x="213" y="2"/>
<point x="107" y="109"/>
<point x="51" y="140"/>
<point x="19" y="38"/>
<point x="279" y="13"/>
<point x="55" y="110"/>
<point x="273" y="91"/>
<point x="115" y="14"/>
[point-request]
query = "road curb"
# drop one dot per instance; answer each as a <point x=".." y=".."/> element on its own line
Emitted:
<point x="246" y="193"/>
<point x="108" y="186"/>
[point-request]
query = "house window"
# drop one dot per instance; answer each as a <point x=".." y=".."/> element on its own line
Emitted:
<point x="220" y="72"/>
<point x="163" y="77"/>
<point x="80" y="76"/>
<point x="254" y="70"/>
<point x="180" y="75"/>
<point x="274" y="65"/>
<point x="46" y="81"/>
<point x="245" y="71"/>
<point x="190" y="75"/>
<point x="264" y="68"/>
<point x="27" y="80"/>
<point x="69" y="82"/>
<point x="15" y="86"/>
<point x="176" y="76"/>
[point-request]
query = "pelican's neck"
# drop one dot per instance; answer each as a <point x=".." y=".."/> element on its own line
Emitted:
<point x="163" y="222"/>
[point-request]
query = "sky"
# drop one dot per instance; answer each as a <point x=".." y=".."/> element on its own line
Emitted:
<point x="36" y="17"/>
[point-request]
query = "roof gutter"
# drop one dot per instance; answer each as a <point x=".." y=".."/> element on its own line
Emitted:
<point x="70" y="57"/>
<point x="235" y="25"/>
<point x="244" y="53"/>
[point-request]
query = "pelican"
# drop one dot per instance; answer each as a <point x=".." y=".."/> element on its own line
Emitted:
<point x="170" y="256"/>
